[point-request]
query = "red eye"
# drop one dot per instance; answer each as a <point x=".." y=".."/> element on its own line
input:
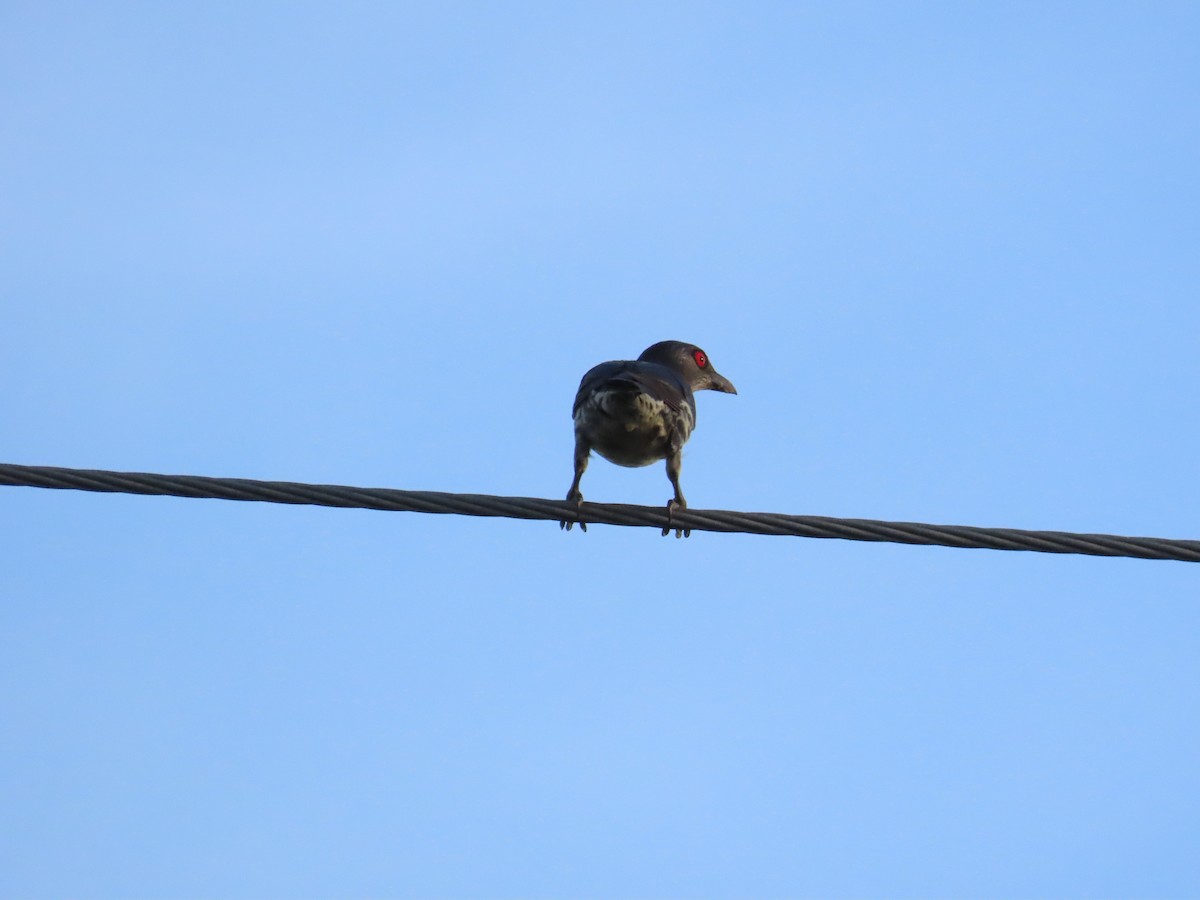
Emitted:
<point x="701" y="359"/>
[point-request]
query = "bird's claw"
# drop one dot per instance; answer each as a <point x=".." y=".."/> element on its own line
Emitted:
<point x="673" y="505"/>
<point x="568" y="524"/>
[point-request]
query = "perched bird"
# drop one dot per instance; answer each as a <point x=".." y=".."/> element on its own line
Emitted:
<point x="636" y="412"/>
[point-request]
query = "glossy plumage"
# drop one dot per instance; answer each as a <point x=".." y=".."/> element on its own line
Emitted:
<point x="636" y="412"/>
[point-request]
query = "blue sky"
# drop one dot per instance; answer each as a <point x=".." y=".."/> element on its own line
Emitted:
<point x="947" y="253"/>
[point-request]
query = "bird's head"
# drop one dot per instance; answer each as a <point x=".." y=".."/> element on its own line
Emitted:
<point x="691" y="363"/>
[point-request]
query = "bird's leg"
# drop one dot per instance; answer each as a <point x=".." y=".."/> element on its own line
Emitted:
<point x="674" y="463"/>
<point x="574" y="495"/>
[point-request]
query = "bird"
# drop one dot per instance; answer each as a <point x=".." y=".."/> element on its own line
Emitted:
<point x="636" y="412"/>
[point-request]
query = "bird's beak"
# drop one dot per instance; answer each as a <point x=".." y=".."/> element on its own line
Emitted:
<point x="720" y="383"/>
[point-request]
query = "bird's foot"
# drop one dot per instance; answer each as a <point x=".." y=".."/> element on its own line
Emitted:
<point x="567" y="524"/>
<point x="673" y="505"/>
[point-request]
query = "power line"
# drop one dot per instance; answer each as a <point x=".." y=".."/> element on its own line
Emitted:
<point x="199" y="486"/>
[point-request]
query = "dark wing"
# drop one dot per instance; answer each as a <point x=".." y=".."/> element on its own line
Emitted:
<point x="595" y="378"/>
<point x="652" y="379"/>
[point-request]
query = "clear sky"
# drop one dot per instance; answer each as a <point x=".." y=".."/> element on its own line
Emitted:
<point x="949" y="253"/>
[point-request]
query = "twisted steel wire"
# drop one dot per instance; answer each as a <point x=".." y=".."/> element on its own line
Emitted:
<point x="200" y="486"/>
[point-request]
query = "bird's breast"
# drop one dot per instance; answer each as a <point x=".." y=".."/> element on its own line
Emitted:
<point x="632" y="428"/>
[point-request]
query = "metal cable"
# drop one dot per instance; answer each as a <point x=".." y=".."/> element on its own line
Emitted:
<point x="601" y="513"/>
